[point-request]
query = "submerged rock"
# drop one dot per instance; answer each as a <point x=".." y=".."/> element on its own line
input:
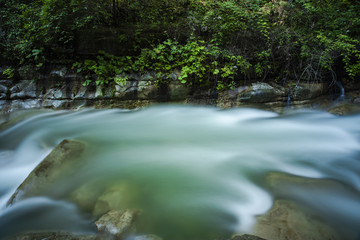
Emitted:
<point x="118" y="196"/>
<point x="287" y="220"/>
<point x="62" y="159"/>
<point x="117" y="223"/>
<point x="246" y="237"/>
<point x="145" y="237"/>
<point x="345" y="108"/>
<point x="56" y="236"/>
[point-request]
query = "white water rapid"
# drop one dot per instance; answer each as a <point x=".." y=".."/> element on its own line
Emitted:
<point x="194" y="171"/>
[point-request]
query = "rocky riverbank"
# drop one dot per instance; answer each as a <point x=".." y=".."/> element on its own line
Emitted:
<point x="62" y="88"/>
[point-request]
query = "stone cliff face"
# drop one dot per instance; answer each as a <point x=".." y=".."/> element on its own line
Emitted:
<point x="61" y="88"/>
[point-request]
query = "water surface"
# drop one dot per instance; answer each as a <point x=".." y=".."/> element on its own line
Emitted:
<point x="195" y="172"/>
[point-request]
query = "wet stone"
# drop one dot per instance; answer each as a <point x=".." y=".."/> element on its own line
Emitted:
<point x="23" y="89"/>
<point x="126" y="90"/>
<point x="62" y="159"/>
<point x="3" y="91"/>
<point x="24" y="104"/>
<point x="117" y="223"/>
<point x="56" y="236"/>
<point x="260" y="93"/>
<point x="246" y="237"/>
<point x="147" y="90"/>
<point x="145" y="237"/>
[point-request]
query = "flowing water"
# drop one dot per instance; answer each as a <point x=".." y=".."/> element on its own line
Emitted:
<point x="195" y="172"/>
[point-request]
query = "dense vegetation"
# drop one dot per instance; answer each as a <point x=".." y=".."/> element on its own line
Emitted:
<point x="209" y="42"/>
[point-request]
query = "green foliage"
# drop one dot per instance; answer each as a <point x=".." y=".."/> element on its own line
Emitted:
<point x="9" y="72"/>
<point x="197" y="62"/>
<point x="206" y="42"/>
<point x="104" y="69"/>
<point x="44" y="29"/>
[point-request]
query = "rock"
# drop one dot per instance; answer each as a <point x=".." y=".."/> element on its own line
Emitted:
<point x="56" y="236"/>
<point x="118" y="196"/>
<point x="99" y="92"/>
<point x="55" y="93"/>
<point x="307" y="91"/>
<point x="177" y="90"/>
<point x="58" y="73"/>
<point x="56" y="104"/>
<point x="246" y="237"/>
<point x="85" y="196"/>
<point x="290" y="220"/>
<point x="126" y="90"/>
<point x="260" y="93"/>
<point x="24" y="89"/>
<point x="61" y="159"/>
<point x="84" y="92"/>
<point x="287" y="220"/>
<point x="147" y="90"/>
<point x="145" y="237"/>
<point x="3" y="105"/>
<point x="345" y="108"/>
<point x="117" y="223"/>
<point x="3" y="91"/>
<point x="24" y="104"/>
<point x="104" y="91"/>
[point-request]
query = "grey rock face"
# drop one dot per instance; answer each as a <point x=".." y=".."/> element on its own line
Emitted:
<point x="147" y="90"/>
<point x="3" y="91"/>
<point x="307" y="91"/>
<point x="58" y="73"/>
<point x="126" y="90"/>
<point x="260" y="93"/>
<point x="24" y="104"/>
<point x="24" y="89"/>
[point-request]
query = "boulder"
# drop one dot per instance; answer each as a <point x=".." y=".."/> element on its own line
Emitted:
<point x="86" y="196"/>
<point x="345" y="108"/>
<point x="117" y="224"/>
<point x="147" y="90"/>
<point x="56" y="93"/>
<point x="24" y="104"/>
<point x="287" y="220"/>
<point x="63" y="158"/>
<point x="4" y="87"/>
<point x="246" y="237"/>
<point x="307" y="91"/>
<point x="118" y="196"/>
<point x="126" y="90"/>
<point x="56" y="236"/>
<point x="58" y="73"/>
<point x="260" y="93"/>
<point x="295" y="220"/>
<point x="145" y="237"/>
<point x="24" y="89"/>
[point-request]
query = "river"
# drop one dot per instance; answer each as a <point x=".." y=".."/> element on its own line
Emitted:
<point x="195" y="172"/>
